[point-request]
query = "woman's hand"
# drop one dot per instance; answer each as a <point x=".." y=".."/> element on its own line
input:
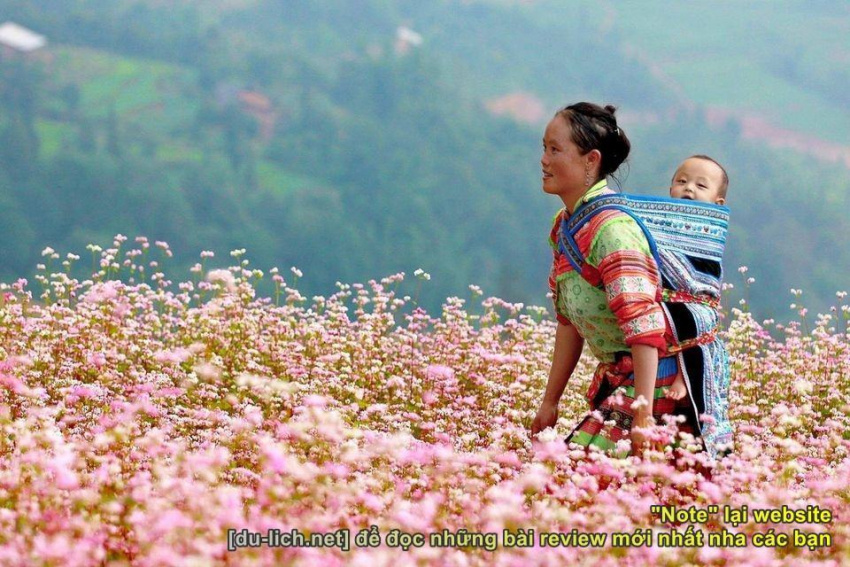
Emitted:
<point x="568" y="346"/>
<point x="547" y="416"/>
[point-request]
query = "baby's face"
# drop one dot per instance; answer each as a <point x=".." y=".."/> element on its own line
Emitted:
<point x="699" y="180"/>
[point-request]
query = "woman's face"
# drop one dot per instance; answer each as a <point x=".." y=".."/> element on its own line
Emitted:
<point x="564" y="167"/>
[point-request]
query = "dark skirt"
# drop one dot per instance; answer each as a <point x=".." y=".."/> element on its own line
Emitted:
<point x="616" y="407"/>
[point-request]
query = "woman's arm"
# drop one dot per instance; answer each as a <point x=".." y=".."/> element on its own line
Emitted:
<point x="645" y="360"/>
<point x="631" y="279"/>
<point x="568" y="347"/>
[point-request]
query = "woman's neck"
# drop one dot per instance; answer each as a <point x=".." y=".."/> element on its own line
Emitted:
<point x="572" y="201"/>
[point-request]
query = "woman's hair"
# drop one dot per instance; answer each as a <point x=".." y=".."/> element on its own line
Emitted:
<point x="595" y="128"/>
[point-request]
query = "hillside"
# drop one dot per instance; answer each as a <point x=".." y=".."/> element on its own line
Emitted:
<point x="312" y="136"/>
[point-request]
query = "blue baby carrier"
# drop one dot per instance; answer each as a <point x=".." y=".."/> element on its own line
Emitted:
<point x="687" y="240"/>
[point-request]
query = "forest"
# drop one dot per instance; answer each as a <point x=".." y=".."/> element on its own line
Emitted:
<point x="313" y="136"/>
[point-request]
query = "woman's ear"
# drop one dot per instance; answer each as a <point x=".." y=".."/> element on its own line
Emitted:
<point x="594" y="159"/>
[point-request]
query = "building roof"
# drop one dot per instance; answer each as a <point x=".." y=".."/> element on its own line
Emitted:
<point x="407" y="35"/>
<point x="20" y="38"/>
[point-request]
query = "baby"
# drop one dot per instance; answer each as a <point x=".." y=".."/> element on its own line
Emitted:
<point x="699" y="178"/>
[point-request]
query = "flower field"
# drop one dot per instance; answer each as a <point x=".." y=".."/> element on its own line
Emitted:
<point x="142" y="419"/>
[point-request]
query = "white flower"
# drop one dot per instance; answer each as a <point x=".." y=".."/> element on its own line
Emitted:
<point x="223" y="276"/>
<point x="547" y="435"/>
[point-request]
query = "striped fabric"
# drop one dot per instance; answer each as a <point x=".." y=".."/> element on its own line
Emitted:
<point x="611" y="421"/>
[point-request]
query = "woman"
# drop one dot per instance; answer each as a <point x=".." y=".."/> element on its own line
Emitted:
<point x="614" y="303"/>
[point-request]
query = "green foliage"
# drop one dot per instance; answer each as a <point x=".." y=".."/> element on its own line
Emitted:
<point x="371" y="161"/>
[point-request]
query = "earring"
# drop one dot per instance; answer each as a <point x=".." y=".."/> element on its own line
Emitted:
<point x="587" y="177"/>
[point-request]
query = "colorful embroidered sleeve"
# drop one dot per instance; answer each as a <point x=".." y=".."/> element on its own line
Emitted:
<point x="621" y="254"/>
<point x="558" y="266"/>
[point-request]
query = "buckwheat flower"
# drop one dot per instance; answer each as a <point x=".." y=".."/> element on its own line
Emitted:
<point x="207" y="371"/>
<point x="439" y="372"/>
<point x="169" y="521"/>
<point x="743" y="269"/>
<point x="96" y="359"/>
<point x="276" y="459"/>
<point x="803" y="386"/>
<point x="547" y="435"/>
<point x="225" y="277"/>
<point x="623" y="447"/>
<point x="296" y="271"/>
<point x="317" y="401"/>
<point x="21" y="360"/>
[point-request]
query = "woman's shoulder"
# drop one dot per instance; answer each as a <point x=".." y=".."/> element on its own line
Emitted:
<point x="610" y="223"/>
<point x="556" y="227"/>
<point x="613" y="230"/>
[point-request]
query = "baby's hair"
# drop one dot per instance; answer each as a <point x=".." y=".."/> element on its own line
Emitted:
<point x="725" y="183"/>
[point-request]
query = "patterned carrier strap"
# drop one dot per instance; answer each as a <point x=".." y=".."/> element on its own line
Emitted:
<point x="687" y="228"/>
<point x="671" y="296"/>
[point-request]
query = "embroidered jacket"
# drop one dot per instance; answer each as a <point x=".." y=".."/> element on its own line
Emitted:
<point x="628" y="311"/>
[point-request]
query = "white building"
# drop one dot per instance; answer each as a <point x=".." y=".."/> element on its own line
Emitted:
<point x="20" y="39"/>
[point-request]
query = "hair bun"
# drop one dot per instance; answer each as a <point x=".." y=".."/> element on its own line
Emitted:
<point x="595" y="127"/>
